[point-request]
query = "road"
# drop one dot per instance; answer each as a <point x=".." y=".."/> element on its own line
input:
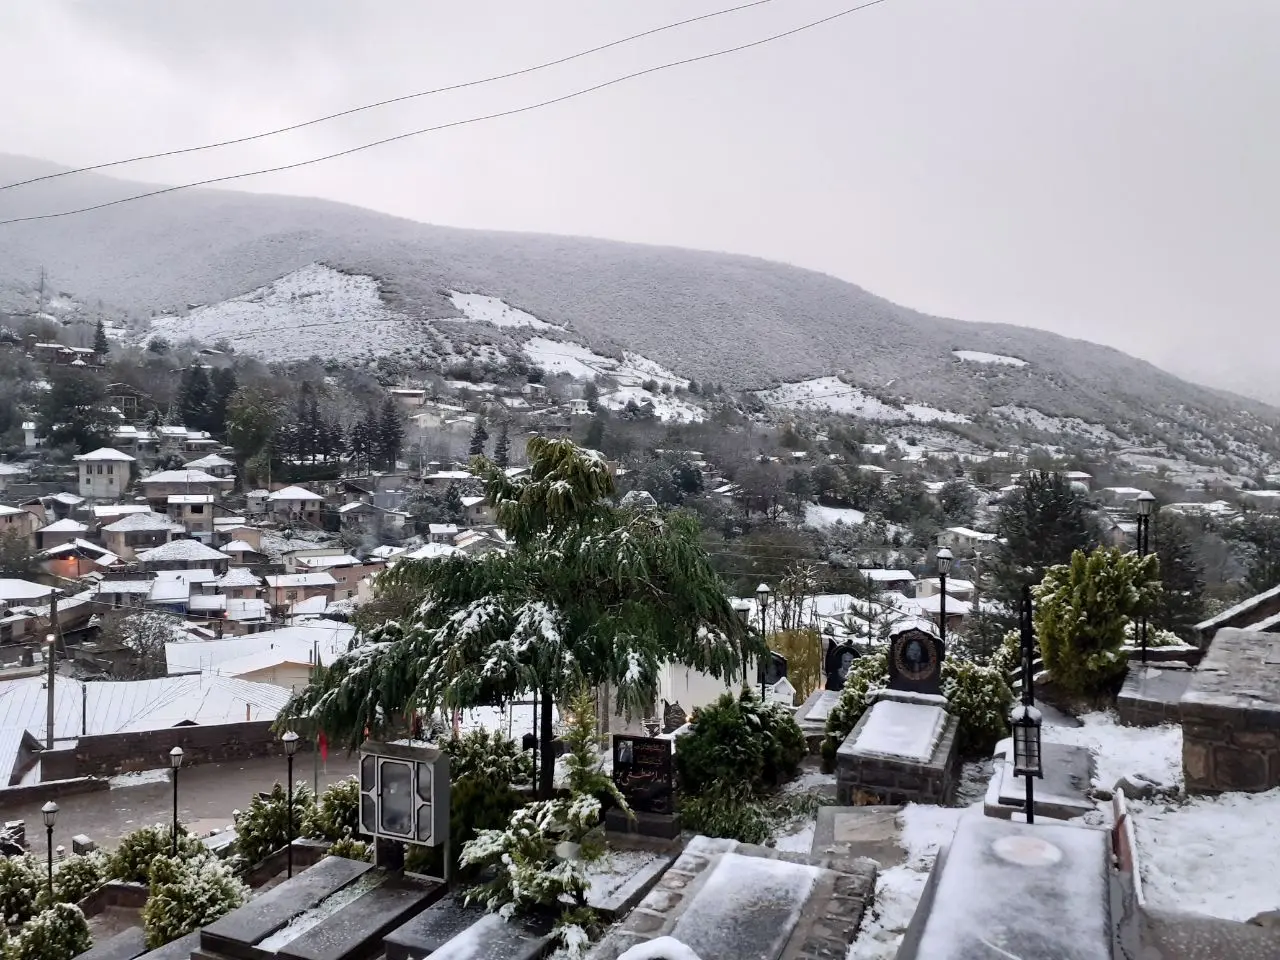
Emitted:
<point x="207" y="794"/>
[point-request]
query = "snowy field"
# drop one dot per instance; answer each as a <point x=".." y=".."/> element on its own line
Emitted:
<point x="834" y="395"/>
<point x="997" y="359"/>
<point x="1065" y="426"/>
<point x="821" y="517"/>
<point x="315" y="311"/>
<point x="581" y="363"/>
<point x="482" y="309"/>
<point x="664" y="407"/>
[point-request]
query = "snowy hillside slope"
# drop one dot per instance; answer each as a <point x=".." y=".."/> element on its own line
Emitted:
<point x="737" y="321"/>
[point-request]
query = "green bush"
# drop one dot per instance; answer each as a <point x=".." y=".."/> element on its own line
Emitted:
<point x="76" y="877"/>
<point x="187" y="893"/>
<point x="263" y="828"/>
<point x="492" y="757"/>
<point x="21" y="880"/>
<point x="980" y="696"/>
<point x="475" y="804"/>
<point x="59" y="933"/>
<point x="336" y="814"/>
<point x="351" y="849"/>
<point x="739" y="740"/>
<point x="869" y="673"/>
<point x="132" y="859"/>
<point x="728" y="810"/>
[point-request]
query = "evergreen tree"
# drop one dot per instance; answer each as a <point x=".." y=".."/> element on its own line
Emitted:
<point x="591" y="394"/>
<point x="101" y="345"/>
<point x="390" y="433"/>
<point x="195" y="398"/>
<point x="74" y="410"/>
<point x="957" y="501"/>
<point x="479" y="437"/>
<point x="360" y="445"/>
<point x="251" y="421"/>
<point x="587" y="594"/>
<point x="1041" y="524"/>
<point x="1181" y="604"/>
<point x="453" y="504"/>
<point x="502" y="448"/>
<point x="222" y="383"/>
<point x="1261" y="536"/>
<point x="594" y="439"/>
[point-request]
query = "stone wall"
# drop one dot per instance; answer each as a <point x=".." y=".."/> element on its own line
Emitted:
<point x="866" y="778"/>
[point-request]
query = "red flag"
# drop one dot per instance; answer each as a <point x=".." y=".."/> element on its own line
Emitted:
<point x="324" y="747"/>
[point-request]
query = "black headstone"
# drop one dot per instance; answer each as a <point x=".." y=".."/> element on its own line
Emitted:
<point x="642" y="769"/>
<point x="673" y="717"/>
<point x="840" y="658"/>
<point x="915" y="662"/>
<point x="772" y="669"/>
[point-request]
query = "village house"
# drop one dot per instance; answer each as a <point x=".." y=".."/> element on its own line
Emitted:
<point x="409" y="398"/>
<point x="104" y="473"/>
<point x="186" y="591"/>
<point x="129" y="400"/>
<point x="370" y="519"/>
<point x="60" y="532"/>
<point x="965" y="541"/>
<point x="213" y="463"/>
<point x="441" y="532"/>
<point x="1265" y="501"/>
<point x="295" y="504"/>
<point x="77" y="558"/>
<point x="284" y="590"/>
<point x="135" y="532"/>
<point x="956" y="587"/>
<point x="22" y="593"/>
<point x="239" y="583"/>
<point x="442" y="480"/>
<point x="242" y="553"/>
<point x="1120" y="496"/>
<point x="183" y="555"/>
<point x="194" y="511"/>
<point x="138" y="441"/>
<point x="11" y="473"/>
<point x="159" y="487"/>
<point x="228" y="529"/>
<point x="897" y="581"/>
<point x="123" y="590"/>
<point x="578" y="408"/>
<point x="15" y="520"/>
<point x="476" y="510"/>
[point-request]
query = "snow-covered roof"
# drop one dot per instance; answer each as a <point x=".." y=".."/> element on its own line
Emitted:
<point x="65" y="526"/>
<point x="294" y="493"/>
<point x="124" y="586"/>
<point x="210" y="461"/>
<point x="105" y="453"/>
<point x="182" y="476"/>
<point x="933" y="604"/>
<point x="130" y="706"/>
<point x="323" y="579"/>
<point x="13" y="469"/>
<point x="442" y="529"/>
<point x="7" y="511"/>
<point x="431" y="551"/>
<point x="887" y="576"/>
<point x="311" y="605"/>
<point x="247" y="609"/>
<point x="230" y="522"/>
<point x="207" y="603"/>
<point x="108" y="510"/>
<point x="450" y="475"/>
<point x="189" y="550"/>
<point x="327" y="560"/>
<point x="386" y="552"/>
<point x="184" y="499"/>
<point x="69" y="499"/>
<point x="13" y="590"/>
<point x="289" y="644"/>
<point x="170" y="586"/>
<point x="142" y="522"/>
<point x="238" y="546"/>
<point x="954" y="584"/>
<point x="356" y="505"/>
<point x="239" y="577"/>
<point x="970" y="534"/>
<point x="469" y="502"/>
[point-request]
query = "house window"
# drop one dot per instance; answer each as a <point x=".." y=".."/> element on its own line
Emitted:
<point x="197" y="508"/>
<point x="111" y="468"/>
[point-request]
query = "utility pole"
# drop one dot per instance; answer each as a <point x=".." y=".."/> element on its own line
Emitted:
<point x="51" y="657"/>
<point x="40" y="296"/>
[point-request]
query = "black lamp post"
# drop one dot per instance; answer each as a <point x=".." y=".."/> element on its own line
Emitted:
<point x="1025" y="721"/>
<point x="762" y="598"/>
<point x="175" y="763"/>
<point x="1146" y="504"/>
<point x="290" y="740"/>
<point x="943" y="559"/>
<point x="50" y="813"/>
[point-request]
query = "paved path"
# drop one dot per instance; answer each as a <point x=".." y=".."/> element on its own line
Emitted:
<point x="206" y="796"/>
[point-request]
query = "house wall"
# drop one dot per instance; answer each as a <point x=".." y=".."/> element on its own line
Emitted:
<point x="691" y="688"/>
<point x="24" y="523"/>
<point x="290" y="676"/>
<point x="306" y="510"/>
<point x="103" y="480"/>
<point x="349" y="578"/>
<point x="284" y="596"/>
<point x="196" y="517"/>
<point x="250" y="535"/>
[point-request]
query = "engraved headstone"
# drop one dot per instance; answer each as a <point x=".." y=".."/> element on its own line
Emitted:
<point x="915" y="661"/>
<point x="772" y="668"/>
<point x="840" y="658"/>
<point x="643" y="771"/>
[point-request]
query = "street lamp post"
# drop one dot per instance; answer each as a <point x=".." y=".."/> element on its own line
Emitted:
<point x="1146" y="506"/>
<point x="290" y="740"/>
<point x="943" y="559"/>
<point x="175" y="764"/>
<point x="762" y="598"/>
<point x="50" y="813"/>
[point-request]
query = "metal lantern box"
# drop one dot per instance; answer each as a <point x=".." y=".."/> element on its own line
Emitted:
<point x="404" y="793"/>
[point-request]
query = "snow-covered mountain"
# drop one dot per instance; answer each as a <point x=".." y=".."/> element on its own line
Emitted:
<point x="288" y="276"/>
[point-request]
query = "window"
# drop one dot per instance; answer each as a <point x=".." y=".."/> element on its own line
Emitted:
<point x="111" y="468"/>
<point x="197" y="508"/>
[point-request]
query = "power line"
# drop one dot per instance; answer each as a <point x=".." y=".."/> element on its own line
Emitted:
<point x="455" y="123"/>
<point x="384" y="103"/>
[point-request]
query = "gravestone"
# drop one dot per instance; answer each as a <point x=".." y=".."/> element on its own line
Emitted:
<point x="772" y="668"/>
<point x="812" y="715"/>
<point x="1063" y="793"/>
<point x="673" y="716"/>
<point x="915" y="660"/>
<point x="838" y="663"/>
<point x="783" y="693"/>
<point x="644" y="771"/>
<point x="902" y="750"/>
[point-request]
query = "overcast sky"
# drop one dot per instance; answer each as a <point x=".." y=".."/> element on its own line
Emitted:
<point x="1108" y="169"/>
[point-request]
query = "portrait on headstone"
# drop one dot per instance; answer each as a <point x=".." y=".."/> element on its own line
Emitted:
<point x="643" y="771"/>
<point x="840" y="660"/>
<point x="915" y="661"/>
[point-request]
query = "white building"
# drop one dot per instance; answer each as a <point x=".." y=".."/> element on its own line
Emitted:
<point x="104" y="473"/>
<point x="964" y="540"/>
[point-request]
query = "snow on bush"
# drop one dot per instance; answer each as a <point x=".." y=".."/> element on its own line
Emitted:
<point x="264" y="827"/>
<point x="78" y="876"/>
<point x="187" y="893"/>
<point x="487" y="755"/>
<point x="21" y="879"/>
<point x="132" y="859"/>
<point x="351" y="849"/>
<point x="59" y="933"/>
<point x="337" y="812"/>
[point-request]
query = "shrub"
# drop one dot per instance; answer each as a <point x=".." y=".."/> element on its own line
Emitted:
<point x="59" y="933"/>
<point x="1082" y="609"/>
<point x="739" y="739"/>
<point x="132" y="859"/>
<point x="492" y="757"/>
<point x="728" y="810"/>
<point x="350" y="848"/>
<point x="980" y="696"/>
<point x="263" y="828"/>
<point x="336" y="814"/>
<point x="21" y="880"/>
<point x="869" y="673"/>
<point x="187" y="893"/>
<point x="77" y="876"/>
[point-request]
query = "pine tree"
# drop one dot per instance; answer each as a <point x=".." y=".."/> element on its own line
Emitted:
<point x="1181" y="605"/>
<point x="502" y="448"/>
<point x="359" y="445"/>
<point x="591" y="394"/>
<point x="195" y="398"/>
<point x="74" y="410"/>
<point x="390" y="433"/>
<point x="1041" y="524"/>
<point x="222" y="383"/>
<point x="101" y="345"/>
<point x="586" y="594"/>
<point x="1261" y="535"/>
<point x="595" y="434"/>
<point x="453" y="504"/>
<point x="479" y="437"/>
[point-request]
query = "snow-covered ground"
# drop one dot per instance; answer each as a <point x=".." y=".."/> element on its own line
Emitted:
<point x="1119" y="751"/>
<point x="1067" y="426"/>
<point x="482" y="309"/>
<point x="582" y="363"/>
<point x="977" y="356"/>
<point x="664" y="407"/>
<point x="816" y="515"/>
<point x="315" y="311"/>
<point x="833" y="394"/>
